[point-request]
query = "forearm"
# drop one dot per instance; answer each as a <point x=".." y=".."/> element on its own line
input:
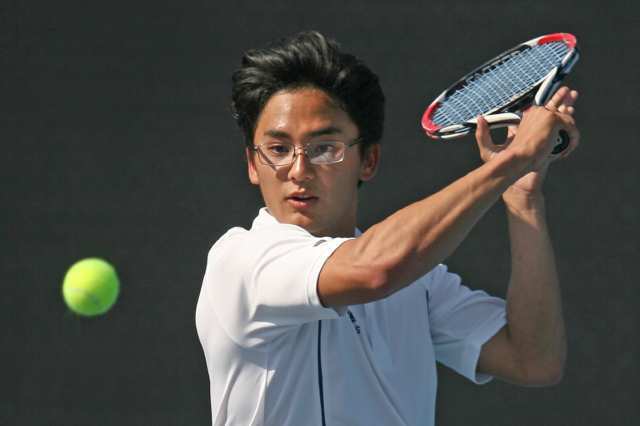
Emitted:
<point x="412" y="241"/>
<point x="535" y="323"/>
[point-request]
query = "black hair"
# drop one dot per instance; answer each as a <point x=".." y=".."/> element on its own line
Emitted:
<point x="308" y="59"/>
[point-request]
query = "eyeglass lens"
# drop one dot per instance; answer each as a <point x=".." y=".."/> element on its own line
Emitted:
<point x="325" y="152"/>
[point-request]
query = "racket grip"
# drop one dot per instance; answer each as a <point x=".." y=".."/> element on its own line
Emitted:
<point x="562" y="142"/>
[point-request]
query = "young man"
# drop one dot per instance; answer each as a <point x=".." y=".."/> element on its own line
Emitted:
<point x="306" y="321"/>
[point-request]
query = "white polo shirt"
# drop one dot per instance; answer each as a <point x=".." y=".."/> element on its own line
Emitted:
<point x="276" y="356"/>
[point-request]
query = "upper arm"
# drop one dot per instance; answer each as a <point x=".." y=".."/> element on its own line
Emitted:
<point x="261" y="287"/>
<point x="345" y="279"/>
<point x="461" y="321"/>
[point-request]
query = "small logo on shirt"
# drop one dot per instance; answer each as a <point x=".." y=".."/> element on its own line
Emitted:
<point x="353" y="321"/>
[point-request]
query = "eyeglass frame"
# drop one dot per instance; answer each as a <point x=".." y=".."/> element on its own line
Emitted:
<point x="303" y="148"/>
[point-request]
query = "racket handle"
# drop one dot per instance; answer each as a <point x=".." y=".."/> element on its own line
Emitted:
<point x="507" y="119"/>
<point x="562" y="142"/>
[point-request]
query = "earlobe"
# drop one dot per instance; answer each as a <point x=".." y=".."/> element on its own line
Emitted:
<point x="370" y="162"/>
<point x="251" y="168"/>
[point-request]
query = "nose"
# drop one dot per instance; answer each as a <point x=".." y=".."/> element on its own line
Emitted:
<point x="301" y="169"/>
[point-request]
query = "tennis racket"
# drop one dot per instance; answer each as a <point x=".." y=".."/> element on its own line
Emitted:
<point x="503" y="87"/>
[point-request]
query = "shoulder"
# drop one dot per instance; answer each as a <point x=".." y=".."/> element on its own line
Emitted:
<point x="249" y="240"/>
<point x="226" y="243"/>
<point x="242" y="248"/>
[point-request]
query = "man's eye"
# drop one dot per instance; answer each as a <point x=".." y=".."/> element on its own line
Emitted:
<point x="278" y="149"/>
<point x="321" y="148"/>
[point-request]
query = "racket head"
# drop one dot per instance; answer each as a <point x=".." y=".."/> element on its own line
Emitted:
<point x="502" y="87"/>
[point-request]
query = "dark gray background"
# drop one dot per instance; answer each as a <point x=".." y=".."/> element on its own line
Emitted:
<point x="117" y="142"/>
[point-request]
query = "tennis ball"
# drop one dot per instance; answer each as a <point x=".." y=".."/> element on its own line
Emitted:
<point x="90" y="287"/>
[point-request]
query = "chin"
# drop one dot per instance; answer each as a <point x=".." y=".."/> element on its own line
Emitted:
<point x="302" y="220"/>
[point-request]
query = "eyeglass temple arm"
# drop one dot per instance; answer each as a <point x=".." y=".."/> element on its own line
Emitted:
<point x="355" y="142"/>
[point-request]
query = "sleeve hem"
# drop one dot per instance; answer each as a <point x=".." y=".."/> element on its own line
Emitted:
<point x="314" y="273"/>
<point x="484" y="334"/>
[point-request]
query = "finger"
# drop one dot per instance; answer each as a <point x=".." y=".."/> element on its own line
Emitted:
<point x="557" y="98"/>
<point x="568" y="101"/>
<point x="566" y="109"/>
<point x="483" y="136"/>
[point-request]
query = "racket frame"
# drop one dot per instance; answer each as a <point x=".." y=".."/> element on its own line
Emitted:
<point x="511" y="112"/>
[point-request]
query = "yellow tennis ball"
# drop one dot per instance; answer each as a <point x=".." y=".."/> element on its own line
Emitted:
<point x="90" y="287"/>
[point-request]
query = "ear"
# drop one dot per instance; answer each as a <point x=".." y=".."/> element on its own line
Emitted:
<point x="251" y="167"/>
<point x="370" y="162"/>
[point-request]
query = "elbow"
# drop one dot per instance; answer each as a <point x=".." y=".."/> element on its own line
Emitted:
<point x="555" y="373"/>
<point x="377" y="269"/>
<point x="381" y="282"/>
<point x="386" y="279"/>
<point x="546" y="378"/>
<point x="378" y="283"/>
<point x="377" y="274"/>
<point x="544" y="374"/>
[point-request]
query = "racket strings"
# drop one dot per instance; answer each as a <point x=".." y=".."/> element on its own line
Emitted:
<point x="500" y="84"/>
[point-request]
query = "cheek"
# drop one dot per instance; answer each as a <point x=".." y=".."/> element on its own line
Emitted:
<point x="343" y="181"/>
<point x="269" y="176"/>
<point x="270" y="182"/>
<point x="353" y="169"/>
<point x="280" y="174"/>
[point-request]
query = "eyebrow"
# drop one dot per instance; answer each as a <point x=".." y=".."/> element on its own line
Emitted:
<point x="329" y="130"/>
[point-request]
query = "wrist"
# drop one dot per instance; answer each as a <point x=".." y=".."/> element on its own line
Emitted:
<point x="510" y="165"/>
<point x="519" y="201"/>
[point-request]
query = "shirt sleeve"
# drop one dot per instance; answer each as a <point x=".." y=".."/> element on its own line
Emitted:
<point x="461" y="321"/>
<point x="263" y="283"/>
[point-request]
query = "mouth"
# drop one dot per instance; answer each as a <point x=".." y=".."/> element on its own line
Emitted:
<point x="301" y="201"/>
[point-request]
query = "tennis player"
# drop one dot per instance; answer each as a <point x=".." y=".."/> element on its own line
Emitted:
<point x="306" y="320"/>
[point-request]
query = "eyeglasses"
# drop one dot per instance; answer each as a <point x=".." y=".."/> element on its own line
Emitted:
<point x="284" y="153"/>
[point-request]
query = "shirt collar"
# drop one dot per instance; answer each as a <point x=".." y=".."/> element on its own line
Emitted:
<point x="265" y="218"/>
